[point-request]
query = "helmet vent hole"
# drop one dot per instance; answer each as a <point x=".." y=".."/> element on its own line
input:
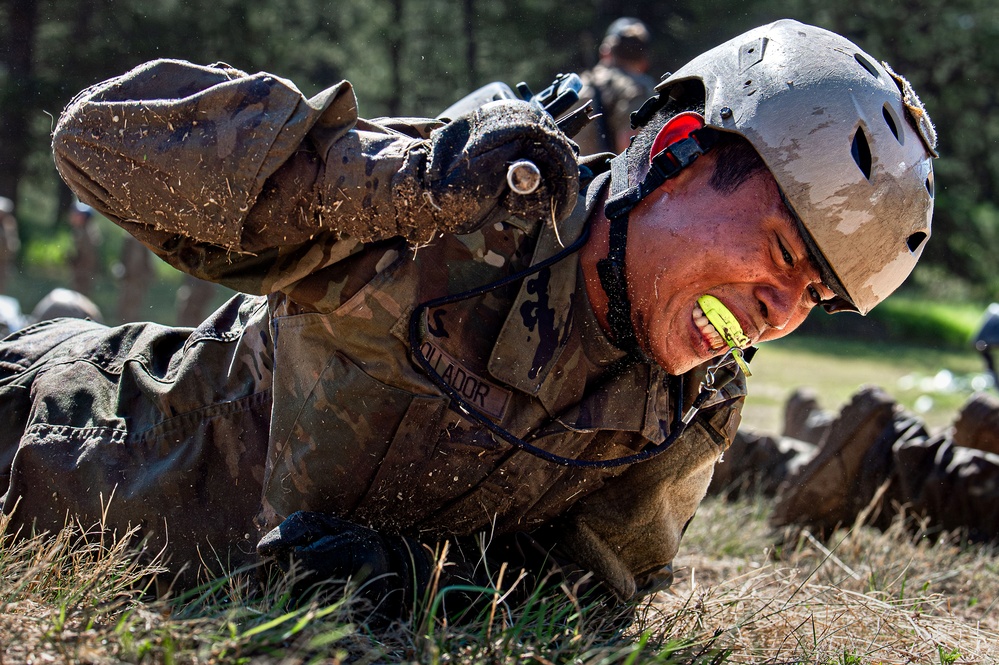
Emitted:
<point x="861" y="152"/>
<point x="867" y="64"/>
<point x="915" y="241"/>
<point x="890" y="121"/>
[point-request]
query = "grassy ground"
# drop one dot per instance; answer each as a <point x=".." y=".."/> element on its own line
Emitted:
<point x="863" y="596"/>
<point x="742" y="595"/>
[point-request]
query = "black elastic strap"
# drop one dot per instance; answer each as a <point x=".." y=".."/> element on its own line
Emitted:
<point x="471" y="412"/>
<point x="613" y="278"/>
<point x="611" y="269"/>
<point x="664" y="165"/>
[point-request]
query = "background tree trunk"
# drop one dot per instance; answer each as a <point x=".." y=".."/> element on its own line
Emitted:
<point x="471" y="44"/>
<point x="17" y="91"/>
<point x="395" y="33"/>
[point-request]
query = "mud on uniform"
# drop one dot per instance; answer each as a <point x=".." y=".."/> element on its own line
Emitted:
<point x="302" y="393"/>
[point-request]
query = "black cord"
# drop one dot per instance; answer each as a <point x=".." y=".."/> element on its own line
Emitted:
<point x="471" y="412"/>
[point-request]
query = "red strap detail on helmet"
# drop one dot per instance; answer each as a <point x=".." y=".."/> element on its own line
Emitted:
<point x="679" y="127"/>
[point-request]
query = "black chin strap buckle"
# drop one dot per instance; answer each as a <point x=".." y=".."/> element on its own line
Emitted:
<point x="676" y="157"/>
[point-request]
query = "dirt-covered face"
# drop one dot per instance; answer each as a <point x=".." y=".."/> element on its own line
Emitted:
<point x="688" y="239"/>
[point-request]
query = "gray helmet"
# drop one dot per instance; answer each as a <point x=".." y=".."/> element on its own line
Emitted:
<point x="846" y="139"/>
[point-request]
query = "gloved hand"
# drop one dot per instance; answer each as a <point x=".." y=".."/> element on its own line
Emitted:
<point x="321" y="547"/>
<point x="467" y="165"/>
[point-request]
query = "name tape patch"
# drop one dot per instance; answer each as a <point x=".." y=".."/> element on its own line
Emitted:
<point x="479" y="392"/>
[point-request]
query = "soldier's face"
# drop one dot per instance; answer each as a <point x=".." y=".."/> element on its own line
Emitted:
<point x="688" y="239"/>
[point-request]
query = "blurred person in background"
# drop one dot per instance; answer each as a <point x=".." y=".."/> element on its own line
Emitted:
<point x="65" y="303"/>
<point x="57" y="303"/>
<point x="134" y="273"/>
<point x="617" y="86"/>
<point x="10" y="242"/>
<point x="86" y="257"/>
<point x="194" y="298"/>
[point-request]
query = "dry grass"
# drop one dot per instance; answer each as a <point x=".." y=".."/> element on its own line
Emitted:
<point x="74" y="599"/>
<point x="863" y="597"/>
<point x="60" y="596"/>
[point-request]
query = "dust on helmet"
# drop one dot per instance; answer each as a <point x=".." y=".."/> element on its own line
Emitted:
<point x="846" y="139"/>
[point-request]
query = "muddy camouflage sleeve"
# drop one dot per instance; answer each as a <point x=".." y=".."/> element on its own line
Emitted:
<point x="629" y="531"/>
<point x="239" y="178"/>
<point x="220" y="172"/>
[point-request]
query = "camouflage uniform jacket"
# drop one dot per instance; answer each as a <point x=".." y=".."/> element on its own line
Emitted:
<point x="303" y="395"/>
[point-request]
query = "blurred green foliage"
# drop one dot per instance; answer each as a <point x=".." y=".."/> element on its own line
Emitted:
<point x="905" y="318"/>
<point x="921" y="321"/>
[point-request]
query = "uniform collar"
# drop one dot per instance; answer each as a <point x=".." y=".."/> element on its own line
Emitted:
<point x="549" y="305"/>
<point x="537" y="325"/>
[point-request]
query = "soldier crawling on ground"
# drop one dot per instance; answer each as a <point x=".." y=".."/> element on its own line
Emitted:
<point x="872" y="460"/>
<point x="306" y="420"/>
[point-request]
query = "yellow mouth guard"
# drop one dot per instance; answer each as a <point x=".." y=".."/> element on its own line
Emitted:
<point x="727" y="326"/>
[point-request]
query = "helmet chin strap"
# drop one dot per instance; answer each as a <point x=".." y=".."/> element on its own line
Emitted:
<point x="681" y="141"/>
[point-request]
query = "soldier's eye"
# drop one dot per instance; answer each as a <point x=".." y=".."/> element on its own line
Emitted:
<point x="786" y="255"/>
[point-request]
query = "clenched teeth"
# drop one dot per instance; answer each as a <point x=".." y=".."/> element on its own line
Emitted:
<point x="714" y="338"/>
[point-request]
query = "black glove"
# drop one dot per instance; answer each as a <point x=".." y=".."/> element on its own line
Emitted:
<point x="392" y="570"/>
<point x="469" y="157"/>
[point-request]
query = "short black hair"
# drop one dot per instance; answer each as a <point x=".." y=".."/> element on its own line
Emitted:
<point x="737" y="161"/>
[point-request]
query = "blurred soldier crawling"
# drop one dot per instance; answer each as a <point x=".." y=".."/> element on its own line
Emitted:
<point x="616" y="86"/>
<point x="370" y="397"/>
<point x="871" y="460"/>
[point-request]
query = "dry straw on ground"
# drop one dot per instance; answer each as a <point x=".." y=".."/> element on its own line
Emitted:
<point x="860" y="597"/>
